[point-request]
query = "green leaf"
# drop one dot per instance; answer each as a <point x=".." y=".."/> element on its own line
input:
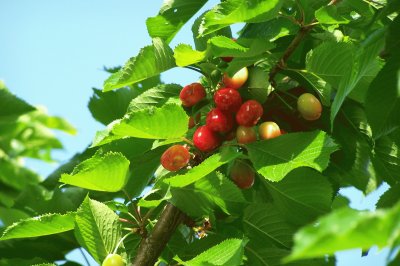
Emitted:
<point x="11" y="105"/>
<point x="302" y="196"/>
<point x="263" y="223"/>
<point x="185" y="55"/>
<point x="102" y="172"/>
<point x="311" y="80"/>
<point x="206" y="167"/>
<point x="151" y="61"/>
<point x="383" y="98"/>
<point x="108" y="106"/>
<point x="208" y="193"/>
<point x="347" y="229"/>
<point x="97" y="229"/>
<point x="172" y="16"/>
<point x="330" y="15"/>
<point x="228" y="252"/>
<point x="390" y="197"/>
<point x="275" y="158"/>
<point x="234" y="11"/>
<point x="168" y="121"/>
<point x="156" y="96"/>
<point x="366" y="55"/>
<point x="43" y="225"/>
<point x="16" y="176"/>
<point x="9" y="216"/>
<point x="270" y="30"/>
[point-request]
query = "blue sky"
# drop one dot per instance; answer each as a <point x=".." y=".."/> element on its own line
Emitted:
<point x="52" y="54"/>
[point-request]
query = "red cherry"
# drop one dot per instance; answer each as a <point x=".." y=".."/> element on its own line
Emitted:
<point x="245" y="134"/>
<point x="175" y="158"/>
<point x="192" y="94"/>
<point x="242" y="174"/>
<point x="228" y="99"/>
<point x="249" y="113"/>
<point x="205" y="139"/>
<point x="219" y="121"/>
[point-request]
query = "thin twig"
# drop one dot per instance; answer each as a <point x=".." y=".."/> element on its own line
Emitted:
<point x="84" y="256"/>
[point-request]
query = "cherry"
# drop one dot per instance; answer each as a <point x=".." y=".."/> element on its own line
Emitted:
<point x="113" y="260"/>
<point x="242" y="174"/>
<point x="269" y="130"/>
<point x="228" y="99"/>
<point x="245" y="134"/>
<point x="249" y="113"/>
<point x="175" y="158"/>
<point x="309" y="106"/>
<point x="192" y="94"/>
<point x="205" y="139"/>
<point x="238" y="79"/>
<point x="194" y="121"/>
<point x="219" y="121"/>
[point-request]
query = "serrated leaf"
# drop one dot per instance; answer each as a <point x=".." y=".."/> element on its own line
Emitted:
<point x="390" y="197"/>
<point x="207" y="194"/>
<point x="102" y="172"/>
<point x="185" y="55"/>
<point x="156" y="96"/>
<point x="263" y="223"/>
<point x="303" y="195"/>
<point x="151" y="61"/>
<point x="168" y="121"/>
<point x="366" y="55"/>
<point x="383" y="98"/>
<point x="273" y="159"/>
<point x="172" y="16"/>
<point x="234" y="11"/>
<point x="206" y="167"/>
<point x="228" y="252"/>
<point x="97" y="228"/>
<point x="43" y="225"/>
<point x="313" y="81"/>
<point x="347" y="229"/>
<point x="11" y="105"/>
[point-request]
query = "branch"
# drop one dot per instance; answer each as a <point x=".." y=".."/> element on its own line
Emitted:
<point x="152" y="246"/>
<point x="304" y="30"/>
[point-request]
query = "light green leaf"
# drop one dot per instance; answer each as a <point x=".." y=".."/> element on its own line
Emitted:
<point x="347" y="229"/>
<point x="303" y="195"/>
<point x="207" y="166"/>
<point x="273" y="159"/>
<point x="43" y="225"/>
<point x="168" y="121"/>
<point x="330" y="15"/>
<point x="313" y="81"/>
<point x="234" y="11"/>
<point x="228" y="252"/>
<point x="156" y="96"/>
<point x="270" y="30"/>
<point x="97" y="229"/>
<point x="151" y="61"/>
<point x="383" y="98"/>
<point x="263" y="223"/>
<point x="185" y="55"/>
<point x="172" y="16"/>
<point x="207" y="194"/>
<point x="102" y="172"/>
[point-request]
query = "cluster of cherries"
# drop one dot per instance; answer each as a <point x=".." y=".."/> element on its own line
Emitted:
<point x="231" y="118"/>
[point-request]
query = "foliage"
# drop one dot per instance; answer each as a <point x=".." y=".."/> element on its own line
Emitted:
<point x="114" y="193"/>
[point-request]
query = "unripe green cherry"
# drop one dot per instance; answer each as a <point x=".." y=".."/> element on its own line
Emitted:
<point x="309" y="106"/>
<point x="113" y="260"/>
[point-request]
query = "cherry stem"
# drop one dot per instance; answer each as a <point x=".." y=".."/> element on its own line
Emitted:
<point x="284" y="102"/>
<point x="289" y="94"/>
<point x="195" y="69"/>
<point x="120" y="242"/>
<point x="188" y="141"/>
<point x="138" y="217"/>
<point x="84" y="257"/>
